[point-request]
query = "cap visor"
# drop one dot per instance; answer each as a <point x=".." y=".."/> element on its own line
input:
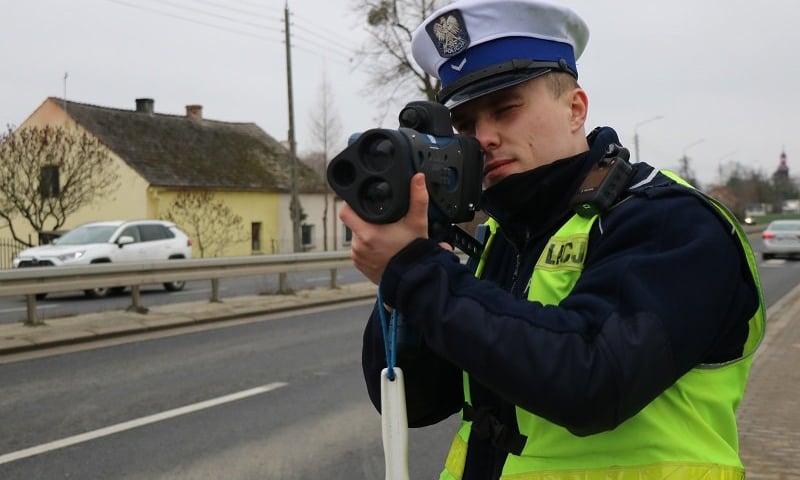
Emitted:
<point x="490" y="85"/>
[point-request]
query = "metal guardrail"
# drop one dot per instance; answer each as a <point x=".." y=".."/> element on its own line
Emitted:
<point x="35" y="280"/>
<point x="8" y="248"/>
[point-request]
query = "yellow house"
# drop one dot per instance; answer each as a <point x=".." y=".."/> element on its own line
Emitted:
<point x="160" y="155"/>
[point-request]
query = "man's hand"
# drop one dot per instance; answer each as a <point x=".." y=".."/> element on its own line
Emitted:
<point x="373" y="245"/>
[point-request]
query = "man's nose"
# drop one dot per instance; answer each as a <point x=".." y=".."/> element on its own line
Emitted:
<point x="487" y="134"/>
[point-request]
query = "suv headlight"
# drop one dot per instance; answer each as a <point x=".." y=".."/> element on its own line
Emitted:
<point x="68" y="257"/>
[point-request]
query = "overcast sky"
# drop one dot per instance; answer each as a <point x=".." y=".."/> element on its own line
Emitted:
<point x="724" y="75"/>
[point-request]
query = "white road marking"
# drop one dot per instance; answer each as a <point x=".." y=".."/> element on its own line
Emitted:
<point x="120" y="427"/>
<point x="25" y="309"/>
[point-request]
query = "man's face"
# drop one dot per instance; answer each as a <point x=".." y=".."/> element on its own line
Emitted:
<point x="523" y="127"/>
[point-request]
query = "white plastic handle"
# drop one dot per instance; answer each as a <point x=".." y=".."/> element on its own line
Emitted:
<point x="394" y="424"/>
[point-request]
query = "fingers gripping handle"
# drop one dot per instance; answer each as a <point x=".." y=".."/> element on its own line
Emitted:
<point x="394" y="425"/>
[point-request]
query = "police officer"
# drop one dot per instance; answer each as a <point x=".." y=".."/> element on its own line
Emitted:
<point x="609" y="329"/>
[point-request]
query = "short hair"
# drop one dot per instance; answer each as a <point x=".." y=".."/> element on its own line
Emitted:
<point x="560" y="82"/>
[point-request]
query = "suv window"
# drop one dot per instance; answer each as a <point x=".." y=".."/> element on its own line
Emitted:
<point x="131" y="231"/>
<point x="155" y="232"/>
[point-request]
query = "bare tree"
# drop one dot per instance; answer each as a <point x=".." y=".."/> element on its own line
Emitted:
<point x="48" y="173"/>
<point x="326" y="130"/>
<point x="210" y="222"/>
<point x="394" y="74"/>
<point x="387" y="55"/>
<point x="317" y="160"/>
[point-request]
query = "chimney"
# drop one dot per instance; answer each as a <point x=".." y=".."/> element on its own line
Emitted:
<point x="195" y="112"/>
<point x="145" y="105"/>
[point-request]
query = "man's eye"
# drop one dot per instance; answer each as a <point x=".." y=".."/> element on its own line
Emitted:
<point x="465" y="128"/>
<point x="506" y="108"/>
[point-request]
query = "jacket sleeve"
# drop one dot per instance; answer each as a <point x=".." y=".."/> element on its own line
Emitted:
<point x="662" y="291"/>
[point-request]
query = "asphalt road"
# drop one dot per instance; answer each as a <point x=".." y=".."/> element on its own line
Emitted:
<point x="162" y="408"/>
<point x="274" y="397"/>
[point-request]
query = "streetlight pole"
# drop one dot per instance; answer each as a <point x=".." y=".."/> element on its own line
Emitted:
<point x="719" y="164"/>
<point x="636" y="133"/>
<point x="696" y="142"/>
<point x="684" y="170"/>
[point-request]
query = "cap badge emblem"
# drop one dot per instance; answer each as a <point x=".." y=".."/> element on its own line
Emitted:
<point x="449" y="34"/>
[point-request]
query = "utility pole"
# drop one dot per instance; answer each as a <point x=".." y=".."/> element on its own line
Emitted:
<point x="66" y="74"/>
<point x="684" y="170"/>
<point x="295" y="202"/>
<point x="636" y="134"/>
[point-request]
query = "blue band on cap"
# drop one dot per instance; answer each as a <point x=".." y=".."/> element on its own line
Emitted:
<point x="502" y="50"/>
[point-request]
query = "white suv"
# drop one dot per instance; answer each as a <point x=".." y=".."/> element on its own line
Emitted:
<point x="111" y="242"/>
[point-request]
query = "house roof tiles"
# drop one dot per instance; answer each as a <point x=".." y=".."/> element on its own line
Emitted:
<point x="182" y="152"/>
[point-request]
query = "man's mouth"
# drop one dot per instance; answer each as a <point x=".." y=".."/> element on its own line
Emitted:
<point x="493" y="165"/>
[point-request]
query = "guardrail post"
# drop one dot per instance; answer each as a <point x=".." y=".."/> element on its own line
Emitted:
<point x="136" y="301"/>
<point x="334" y="283"/>
<point x="32" y="319"/>
<point x="215" y="291"/>
<point x="283" y="284"/>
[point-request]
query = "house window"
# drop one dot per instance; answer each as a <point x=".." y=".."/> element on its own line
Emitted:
<point x="308" y="235"/>
<point x="255" y="236"/>
<point x="348" y="235"/>
<point x="49" y="185"/>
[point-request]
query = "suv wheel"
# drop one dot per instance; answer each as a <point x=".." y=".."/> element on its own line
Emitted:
<point x="97" y="292"/>
<point x="174" y="286"/>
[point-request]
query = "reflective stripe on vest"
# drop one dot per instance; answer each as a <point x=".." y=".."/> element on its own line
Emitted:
<point x="687" y="432"/>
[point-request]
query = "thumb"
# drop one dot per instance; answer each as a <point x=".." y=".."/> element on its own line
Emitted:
<point x="418" y="205"/>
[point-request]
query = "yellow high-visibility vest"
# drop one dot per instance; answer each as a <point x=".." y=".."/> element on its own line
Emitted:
<point x="687" y="432"/>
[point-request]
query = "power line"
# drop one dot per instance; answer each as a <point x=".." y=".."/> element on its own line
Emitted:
<point x="326" y="39"/>
<point x="325" y="48"/>
<point x="345" y="52"/>
<point x="316" y="25"/>
<point x="216" y="15"/>
<point x="340" y="60"/>
<point x="330" y="54"/>
<point x="251" y="4"/>
<point x="199" y="22"/>
<point x="239" y="10"/>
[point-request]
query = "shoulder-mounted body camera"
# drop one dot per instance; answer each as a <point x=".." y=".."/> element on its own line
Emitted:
<point x="604" y="184"/>
<point x="373" y="173"/>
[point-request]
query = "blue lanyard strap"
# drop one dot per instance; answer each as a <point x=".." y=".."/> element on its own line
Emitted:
<point x="389" y="336"/>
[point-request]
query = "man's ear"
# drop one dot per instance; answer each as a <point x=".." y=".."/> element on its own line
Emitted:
<point x="579" y="108"/>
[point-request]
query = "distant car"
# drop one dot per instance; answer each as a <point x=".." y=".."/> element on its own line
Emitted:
<point x="781" y="238"/>
<point x="111" y="242"/>
<point x="750" y="220"/>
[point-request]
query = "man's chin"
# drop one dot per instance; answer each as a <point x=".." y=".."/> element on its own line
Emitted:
<point x="501" y="179"/>
<point x="494" y="182"/>
<point x="493" y="177"/>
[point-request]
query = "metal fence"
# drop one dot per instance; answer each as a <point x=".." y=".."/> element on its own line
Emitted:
<point x="8" y="248"/>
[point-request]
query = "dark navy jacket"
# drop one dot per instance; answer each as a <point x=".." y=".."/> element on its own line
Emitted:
<point x="664" y="288"/>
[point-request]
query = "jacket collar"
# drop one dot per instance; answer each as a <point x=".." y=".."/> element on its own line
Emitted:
<point x="531" y="203"/>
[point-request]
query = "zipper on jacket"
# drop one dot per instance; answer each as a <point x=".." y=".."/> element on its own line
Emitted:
<point x="518" y="261"/>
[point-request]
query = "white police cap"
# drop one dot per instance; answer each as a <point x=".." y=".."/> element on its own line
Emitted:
<point x="477" y="47"/>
